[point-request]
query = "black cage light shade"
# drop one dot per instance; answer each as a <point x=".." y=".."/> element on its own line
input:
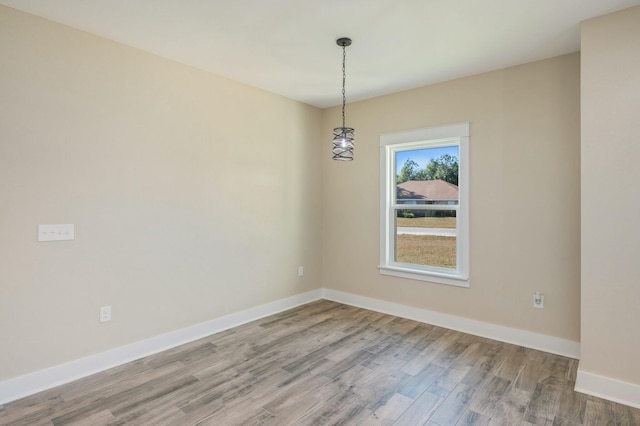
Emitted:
<point x="343" y="145"/>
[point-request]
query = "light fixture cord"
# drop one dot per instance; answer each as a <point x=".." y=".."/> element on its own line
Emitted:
<point x="344" y="80"/>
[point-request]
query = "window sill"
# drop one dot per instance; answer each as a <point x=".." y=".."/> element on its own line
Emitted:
<point x="434" y="277"/>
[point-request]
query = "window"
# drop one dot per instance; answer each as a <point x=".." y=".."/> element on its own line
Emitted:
<point x="424" y="217"/>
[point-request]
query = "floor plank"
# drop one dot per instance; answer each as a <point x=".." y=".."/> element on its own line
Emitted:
<point x="329" y="363"/>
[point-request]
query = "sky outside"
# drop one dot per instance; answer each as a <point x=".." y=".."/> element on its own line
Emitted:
<point x="423" y="156"/>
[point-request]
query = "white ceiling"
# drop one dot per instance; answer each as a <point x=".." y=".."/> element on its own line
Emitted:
<point x="288" y="46"/>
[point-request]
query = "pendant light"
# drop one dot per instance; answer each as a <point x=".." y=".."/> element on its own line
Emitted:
<point x="343" y="136"/>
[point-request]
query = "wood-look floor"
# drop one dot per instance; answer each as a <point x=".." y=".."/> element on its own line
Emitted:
<point x="329" y="364"/>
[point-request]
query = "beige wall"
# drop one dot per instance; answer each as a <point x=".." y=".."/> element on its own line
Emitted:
<point x="610" y="151"/>
<point x="524" y="206"/>
<point x="192" y="196"/>
<point x="164" y="169"/>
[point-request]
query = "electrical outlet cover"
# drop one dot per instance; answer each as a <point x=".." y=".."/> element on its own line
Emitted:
<point x="538" y="300"/>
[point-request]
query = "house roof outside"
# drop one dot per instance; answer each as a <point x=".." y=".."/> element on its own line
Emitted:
<point x="427" y="190"/>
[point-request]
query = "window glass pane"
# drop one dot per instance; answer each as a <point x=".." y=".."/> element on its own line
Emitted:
<point x="427" y="176"/>
<point x="424" y="204"/>
<point x="426" y="237"/>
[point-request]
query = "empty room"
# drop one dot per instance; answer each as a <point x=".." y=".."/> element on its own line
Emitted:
<point x="349" y="212"/>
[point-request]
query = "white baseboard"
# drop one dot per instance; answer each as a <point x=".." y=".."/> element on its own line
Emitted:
<point x="608" y="388"/>
<point x="515" y="336"/>
<point x="38" y="381"/>
<point x="22" y="386"/>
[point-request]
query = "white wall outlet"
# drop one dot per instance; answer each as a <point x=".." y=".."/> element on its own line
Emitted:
<point x="300" y="271"/>
<point x="538" y="300"/>
<point x="105" y="313"/>
<point x="57" y="232"/>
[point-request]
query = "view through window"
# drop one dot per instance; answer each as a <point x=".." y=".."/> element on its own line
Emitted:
<point x="426" y="206"/>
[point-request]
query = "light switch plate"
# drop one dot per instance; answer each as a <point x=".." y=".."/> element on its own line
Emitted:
<point x="56" y="232"/>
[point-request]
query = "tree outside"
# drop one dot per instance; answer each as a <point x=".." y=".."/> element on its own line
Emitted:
<point x="444" y="167"/>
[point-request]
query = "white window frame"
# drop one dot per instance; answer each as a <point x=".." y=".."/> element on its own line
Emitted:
<point x="434" y="137"/>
